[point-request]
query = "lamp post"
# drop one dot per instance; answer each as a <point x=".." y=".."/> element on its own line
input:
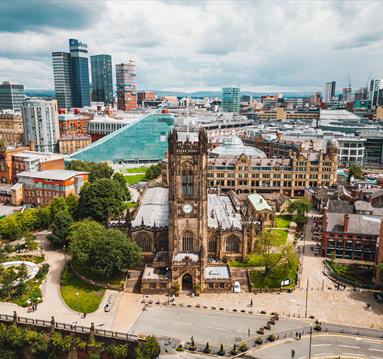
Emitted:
<point x="311" y="336"/>
<point x="307" y="297"/>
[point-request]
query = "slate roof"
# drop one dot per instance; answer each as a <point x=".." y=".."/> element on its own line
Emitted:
<point x="220" y="211"/>
<point x="358" y="224"/>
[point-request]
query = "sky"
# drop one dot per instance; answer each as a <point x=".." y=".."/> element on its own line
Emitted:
<point x="262" y="46"/>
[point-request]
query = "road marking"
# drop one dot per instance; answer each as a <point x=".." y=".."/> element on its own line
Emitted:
<point x="321" y="345"/>
<point x="302" y="357"/>
<point x="348" y="346"/>
<point x="324" y="354"/>
<point x="376" y="350"/>
<point x="353" y="355"/>
<point x="376" y="358"/>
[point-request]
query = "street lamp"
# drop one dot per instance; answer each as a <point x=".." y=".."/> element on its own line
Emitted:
<point x="311" y="336"/>
<point x="64" y="255"/>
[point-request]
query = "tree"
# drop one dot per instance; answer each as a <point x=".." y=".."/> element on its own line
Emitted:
<point x="101" y="200"/>
<point x="153" y="171"/>
<point x="96" y="170"/>
<point x="356" y="172"/>
<point x="150" y="349"/>
<point x="269" y="251"/>
<point x="99" y="251"/>
<point x="300" y="207"/>
<point x="61" y="223"/>
<point x="120" y="179"/>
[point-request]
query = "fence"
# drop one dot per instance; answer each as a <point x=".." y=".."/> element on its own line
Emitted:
<point x="52" y="325"/>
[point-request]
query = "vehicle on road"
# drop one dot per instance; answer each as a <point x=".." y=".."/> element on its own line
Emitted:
<point x="236" y="287"/>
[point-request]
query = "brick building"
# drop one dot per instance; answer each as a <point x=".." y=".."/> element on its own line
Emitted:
<point x="11" y="128"/>
<point x="74" y="124"/>
<point x="72" y="143"/>
<point x="40" y="187"/>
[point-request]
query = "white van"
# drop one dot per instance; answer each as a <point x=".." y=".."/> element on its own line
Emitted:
<point x="236" y="287"/>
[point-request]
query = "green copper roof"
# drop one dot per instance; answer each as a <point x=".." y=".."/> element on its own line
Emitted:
<point x="259" y="203"/>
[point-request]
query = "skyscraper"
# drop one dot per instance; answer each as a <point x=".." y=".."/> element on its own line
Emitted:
<point x="329" y="91"/>
<point x="126" y="86"/>
<point x="11" y="96"/>
<point x="230" y="99"/>
<point x="62" y="74"/>
<point x="80" y="73"/>
<point x="376" y="93"/>
<point x="102" y="78"/>
<point x="41" y="124"/>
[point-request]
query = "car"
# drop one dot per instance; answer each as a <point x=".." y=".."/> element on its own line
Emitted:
<point x="108" y="305"/>
<point x="378" y="297"/>
<point x="236" y="287"/>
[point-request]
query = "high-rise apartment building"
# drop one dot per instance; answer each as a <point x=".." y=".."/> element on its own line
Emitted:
<point x="329" y="91"/>
<point x="102" y="78"/>
<point x="230" y="99"/>
<point x="80" y="73"/>
<point x="41" y="124"/>
<point x="126" y="86"/>
<point x="62" y="74"/>
<point x="376" y="93"/>
<point x="11" y="96"/>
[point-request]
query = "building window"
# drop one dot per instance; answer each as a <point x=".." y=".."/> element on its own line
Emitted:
<point x="187" y="182"/>
<point x="144" y="242"/>
<point x="212" y="246"/>
<point x="187" y="242"/>
<point x="232" y="244"/>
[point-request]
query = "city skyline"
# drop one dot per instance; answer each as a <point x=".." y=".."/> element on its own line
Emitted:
<point x="190" y="47"/>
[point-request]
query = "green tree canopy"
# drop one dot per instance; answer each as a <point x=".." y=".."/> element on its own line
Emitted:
<point x="356" y="172"/>
<point x="150" y="349"/>
<point x="99" y="251"/>
<point x="100" y="200"/>
<point x="96" y="170"/>
<point x="153" y="171"/>
<point x="120" y="179"/>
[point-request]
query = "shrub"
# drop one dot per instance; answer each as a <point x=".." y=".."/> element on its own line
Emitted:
<point x="318" y="327"/>
<point x="221" y="351"/>
<point x="180" y="348"/>
<point x="243" y="347"/>
<point x="192" y="347"/>
<point x="271" y="338"/>
<point x="207" y="349"/>
<point x="259" y="341"/>
<point x="234" y="351"/>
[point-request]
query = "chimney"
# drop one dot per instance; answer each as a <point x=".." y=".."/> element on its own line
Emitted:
<point x="345" y="222"/>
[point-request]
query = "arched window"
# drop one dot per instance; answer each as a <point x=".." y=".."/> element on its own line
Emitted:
<point x="232" y="244"/>
<point x="212" y="245"/>
<point x="187" y="182"/>
<point x="163" y="243"/>
<point x="187" y="242"/>
<point x="144" y="242"/>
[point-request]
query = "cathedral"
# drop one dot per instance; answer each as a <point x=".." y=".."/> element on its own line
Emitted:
<point x="187" y="232"/>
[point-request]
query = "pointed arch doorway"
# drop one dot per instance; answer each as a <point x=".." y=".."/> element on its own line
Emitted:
<point x="187" y="282"/>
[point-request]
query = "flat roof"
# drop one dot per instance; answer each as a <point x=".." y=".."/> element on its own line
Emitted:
<point x="60" y="175"/>
<point x="220" y="272"/>
<point x="221" y="212"/>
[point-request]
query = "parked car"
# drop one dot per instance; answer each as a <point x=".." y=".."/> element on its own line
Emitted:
<point x="109" y="303"/>
<point x="236" y="287"/>
<point x="378" y="297"/>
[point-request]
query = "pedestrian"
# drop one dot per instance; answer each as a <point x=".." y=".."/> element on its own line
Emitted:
<point x="251" y="303"/>
<point x="296" y="335"/>
<point x="84" y="315"/>
<point x="292" y="353"/>
<point x="300" y="336"/>
<point x="248" y="332"/>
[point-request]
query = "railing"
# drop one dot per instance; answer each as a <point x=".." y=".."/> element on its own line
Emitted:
<point x="53" y="325"/>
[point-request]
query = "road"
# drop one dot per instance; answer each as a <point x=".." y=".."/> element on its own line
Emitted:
<point x="322" y="346"/>
<point x="215" y="327"/>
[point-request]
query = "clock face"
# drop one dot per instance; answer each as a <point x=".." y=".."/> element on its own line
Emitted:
<point x="187" y="208"/>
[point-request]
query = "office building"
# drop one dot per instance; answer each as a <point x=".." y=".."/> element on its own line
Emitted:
<point x="126" y="86"/>
<point x="376" y="93"/>
<point x="80" y="73"/>
<point x="11" y="128"/>
<point x="102" y="78"/>
<point x="329" y="91"/>
<point x="62" y="74"/>
<point x="41" y="187"/>
<point x="230" y="99"/>
<point x="11" y="96"/>
<point x="41" y="124"/>
<point x="145" y="96"/>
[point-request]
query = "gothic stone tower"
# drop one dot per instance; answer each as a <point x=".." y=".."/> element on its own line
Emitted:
<point x="187" y="206"/>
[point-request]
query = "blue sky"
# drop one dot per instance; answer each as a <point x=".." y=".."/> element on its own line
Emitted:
<point x="200" y="45"/>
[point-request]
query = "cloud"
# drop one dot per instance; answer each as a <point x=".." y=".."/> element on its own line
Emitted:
<point x="200" y="45"/>
<point x="19" y="16"/>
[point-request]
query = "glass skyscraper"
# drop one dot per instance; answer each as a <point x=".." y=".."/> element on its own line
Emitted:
<point x="12" y="96"/>
<point x="80" y="73"/>
<point x="230" y="99"/>
<point x="102" y="78"/>
<point x="62" y="74"/>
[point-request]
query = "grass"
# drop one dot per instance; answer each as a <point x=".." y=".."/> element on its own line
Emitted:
<point x="135" y="170"/>
<point x="78" y="294"/>
<point x="274" y="278"/>
<point x="280" y="236"/>
<point x="354" y="274"/>
<point x="252" y="260"/>
<point x="134" y="179"/>
<point x="283" y="221"/>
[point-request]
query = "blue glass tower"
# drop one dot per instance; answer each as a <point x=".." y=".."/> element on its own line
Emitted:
<point x="80" y="73"/>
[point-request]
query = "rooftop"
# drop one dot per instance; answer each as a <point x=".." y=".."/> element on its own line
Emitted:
<point x="259" y="203"/>
<point x="233" y="146"/>
<point x="358" y="224"/>
<point x="59" y="175"/>
<point x="221" y="212"/>
<point x="221" y="272"/>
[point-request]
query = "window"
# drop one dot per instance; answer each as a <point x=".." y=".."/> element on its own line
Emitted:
<point x="144" y="242"/>
<point x="232" y="244"/>
<point x="187" y="182"/>
<point x="187" y="242"/>
<point x="212" y="246"/>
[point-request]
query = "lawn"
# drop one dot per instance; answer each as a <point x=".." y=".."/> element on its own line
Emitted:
<point x="283" y="221"/>
<point x="78" y="294"/>
<point x="252" y="260"/>
<point x="354" y="274"/>
<point x="133" y="179"/>
<point x="135" y="170"/>
<point x="280" y="236"/>
<point x="273" y="279"/>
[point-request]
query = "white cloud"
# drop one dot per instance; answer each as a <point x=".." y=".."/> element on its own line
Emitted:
<point x="270" y="45"/>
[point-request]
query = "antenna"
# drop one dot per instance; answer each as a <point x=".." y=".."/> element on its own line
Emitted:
<point x="349" y="81"/>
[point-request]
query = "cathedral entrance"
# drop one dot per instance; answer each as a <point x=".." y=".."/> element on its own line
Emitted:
<point x="187" y="282"/>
